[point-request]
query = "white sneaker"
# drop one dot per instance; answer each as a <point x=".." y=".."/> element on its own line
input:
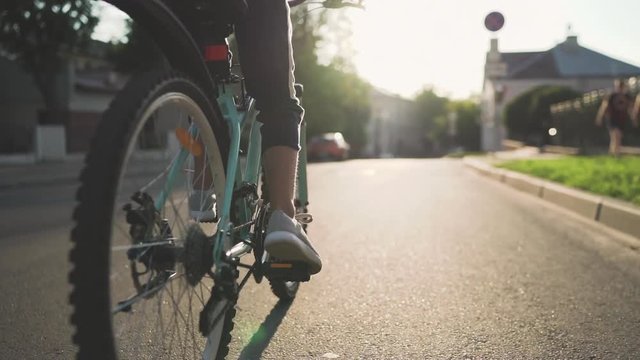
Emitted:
<point x="202" y="206"/>
<point x="286" y="240"/>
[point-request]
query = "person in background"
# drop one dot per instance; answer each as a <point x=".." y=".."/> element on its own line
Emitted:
<point x="616" y="110"/>
<point x="635" y="113"/>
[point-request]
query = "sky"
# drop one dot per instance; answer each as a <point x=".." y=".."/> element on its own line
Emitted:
<point x="403" y="46"/>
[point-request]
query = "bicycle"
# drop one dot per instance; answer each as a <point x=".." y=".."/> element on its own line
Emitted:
<point x="151" y="279"/>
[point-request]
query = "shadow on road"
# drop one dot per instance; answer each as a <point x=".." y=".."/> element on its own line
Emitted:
<point x="262" y="337"/>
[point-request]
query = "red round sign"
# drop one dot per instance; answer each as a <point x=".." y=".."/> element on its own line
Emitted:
<point x="494" y="21"/>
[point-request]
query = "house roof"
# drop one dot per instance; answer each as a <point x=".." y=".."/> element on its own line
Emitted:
<point x="566" y="60"/>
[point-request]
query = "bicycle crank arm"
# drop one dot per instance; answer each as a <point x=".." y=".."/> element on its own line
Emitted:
<point x="238" y="251"/>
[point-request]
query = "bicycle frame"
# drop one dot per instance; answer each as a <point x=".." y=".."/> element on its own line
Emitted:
<point x="236" y="121"/>
<point x="251" y="172"/>
<point x="184" y="54"/>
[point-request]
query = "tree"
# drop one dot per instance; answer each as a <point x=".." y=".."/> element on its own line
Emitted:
<point x="137" y="52"/>
<point x="337" y="101"/>
<point x="467" y="123"/>
<point x="335" y="98"/>
<point x="431" y="118"/>
<point x="40" y="34"/>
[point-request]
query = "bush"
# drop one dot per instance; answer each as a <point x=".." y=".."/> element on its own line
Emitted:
<point x="468" y="115"/>
<point x="528" y="116"/>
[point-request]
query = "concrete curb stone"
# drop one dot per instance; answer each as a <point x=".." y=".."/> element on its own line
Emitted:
<point x="577" y="201"/>
<point x="524" y="183"/>
<point x="624" y="217"/>
<point x="620" y="217"/>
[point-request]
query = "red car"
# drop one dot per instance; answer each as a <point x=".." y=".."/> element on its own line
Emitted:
<point x="328" y="146"/>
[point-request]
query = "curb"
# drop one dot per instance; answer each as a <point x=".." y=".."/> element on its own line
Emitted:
<point x="610" y="212"/>
<point x="581" y="203"/>
<point x="620" y="217"/>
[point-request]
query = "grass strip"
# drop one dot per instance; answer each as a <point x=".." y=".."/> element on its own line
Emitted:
<point x="605" y="175"/>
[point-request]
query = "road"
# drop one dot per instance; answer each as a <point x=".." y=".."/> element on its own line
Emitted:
<point x="422" y="259"/>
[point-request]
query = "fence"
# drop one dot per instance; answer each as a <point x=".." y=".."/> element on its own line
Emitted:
<point x="574" y="122"/>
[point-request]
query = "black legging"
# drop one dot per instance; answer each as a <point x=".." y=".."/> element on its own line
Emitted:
<point x="264" y="42"/>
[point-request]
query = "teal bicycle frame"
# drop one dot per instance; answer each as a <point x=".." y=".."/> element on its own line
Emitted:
<point x="237" y="176"/>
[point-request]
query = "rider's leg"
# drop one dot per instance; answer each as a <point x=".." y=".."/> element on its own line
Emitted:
<point x="280" y="165"/>
<point x="264" y="41"/>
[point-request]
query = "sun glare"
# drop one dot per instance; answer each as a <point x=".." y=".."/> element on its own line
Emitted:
<point x="403" y="46"/>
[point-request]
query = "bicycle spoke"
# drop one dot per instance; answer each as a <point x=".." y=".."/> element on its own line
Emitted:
<point x="142" y="245"/>
<point x="200" y="297"/>
<point x="176" y="325"/>
<point x="140" y="296"/>
<point x="162" y="174"/>
<point x="155" y="314"/>
<point x="159" y="300"/>
<point x="191" y="324"/>
<point x="178" y="220"/>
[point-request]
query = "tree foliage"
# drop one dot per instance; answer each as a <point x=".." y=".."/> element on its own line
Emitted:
<point x="434" y="115"/>
<point x="137" y="52"/>
<point x="467" y="123"/>
<point x="431" y="119"/>
<point x="39" y="33"/>
<point x="335" y="99"/>
<point x="528" y="116"/>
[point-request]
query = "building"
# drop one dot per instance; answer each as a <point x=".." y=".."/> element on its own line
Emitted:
<point x="391" y="130"/>
<point x="87" y="84"/>
<point x="509" y="74"/>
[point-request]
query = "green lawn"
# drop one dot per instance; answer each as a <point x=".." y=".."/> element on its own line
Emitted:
<point x="618" y="178"/>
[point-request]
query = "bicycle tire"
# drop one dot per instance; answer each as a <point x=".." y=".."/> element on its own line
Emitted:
<point x="101" y="178"/>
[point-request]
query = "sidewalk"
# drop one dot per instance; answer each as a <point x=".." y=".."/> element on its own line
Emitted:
<point x="39" y="174"/>
<point x="614" y="213"/>
<point x="527" y="152"/>
<point x="65" y="172"/>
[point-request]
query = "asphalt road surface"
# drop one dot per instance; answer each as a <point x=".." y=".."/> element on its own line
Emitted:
<point x="423" y="259"/>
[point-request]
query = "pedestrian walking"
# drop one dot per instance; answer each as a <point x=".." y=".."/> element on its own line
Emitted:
<point x="635" y="113"/>
<point x="616" y="110"/>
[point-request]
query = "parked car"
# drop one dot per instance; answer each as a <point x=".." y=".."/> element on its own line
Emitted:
<point x="328" y="146"/>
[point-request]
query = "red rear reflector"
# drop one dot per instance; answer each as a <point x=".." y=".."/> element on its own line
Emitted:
<point x="216" y="53"/>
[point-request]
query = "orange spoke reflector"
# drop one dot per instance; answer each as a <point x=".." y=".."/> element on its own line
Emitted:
<point x="281" y="266"/>
<point x="187" y="142"/>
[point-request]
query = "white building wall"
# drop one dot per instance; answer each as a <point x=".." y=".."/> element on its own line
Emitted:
<point x="83" y="101"/>
<point x="391" y="129"/>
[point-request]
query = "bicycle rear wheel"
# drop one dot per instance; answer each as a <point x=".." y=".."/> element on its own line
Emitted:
<point x="141" y="261"/>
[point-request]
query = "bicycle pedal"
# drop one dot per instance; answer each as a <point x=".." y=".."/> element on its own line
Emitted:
<point x="286" y="270"/>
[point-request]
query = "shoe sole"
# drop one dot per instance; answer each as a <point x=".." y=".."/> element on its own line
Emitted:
<point x="284" y="245"/>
